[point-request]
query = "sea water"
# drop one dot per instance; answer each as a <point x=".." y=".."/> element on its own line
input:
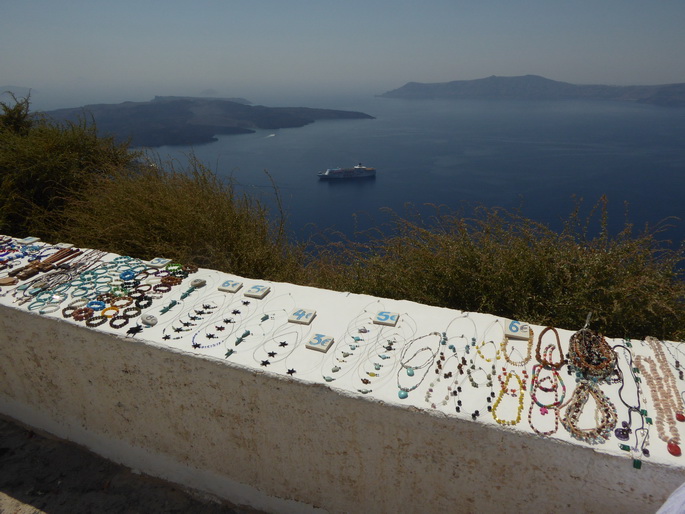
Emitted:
<point x="539" y="157"/>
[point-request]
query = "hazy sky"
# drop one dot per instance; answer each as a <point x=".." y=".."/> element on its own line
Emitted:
<point x="262" y="49"/>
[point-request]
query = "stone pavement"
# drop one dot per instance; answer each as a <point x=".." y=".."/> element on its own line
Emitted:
<point x="42" y="474"/>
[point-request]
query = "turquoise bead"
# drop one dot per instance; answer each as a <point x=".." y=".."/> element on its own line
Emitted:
<point x="402" y="394"/>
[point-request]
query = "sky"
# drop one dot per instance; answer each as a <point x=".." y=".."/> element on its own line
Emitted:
<point x="75" y="52"/>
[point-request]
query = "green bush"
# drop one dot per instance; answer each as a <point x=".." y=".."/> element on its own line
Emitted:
<point x="188" y="215"/>
<point x="43" y="163"/>
<point x="502" y="263"/>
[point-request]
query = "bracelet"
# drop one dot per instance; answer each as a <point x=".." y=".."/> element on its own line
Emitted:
<point x="81" y="290"/>
<point x="114" y="310"/>
<point x="171" y="281"/>
<point x="83" y="313"/>
<point x="49" y="308"/>
<point x="144" y="302"/>
<point x="118" y="322"/>
<point x="130" y="312"/>
<point x="96" y="305"/>
<point x="127" y="275"/>
<point x="96" y="321"/>
<point x="106" y="297"/>
<point x="121" y="301"/>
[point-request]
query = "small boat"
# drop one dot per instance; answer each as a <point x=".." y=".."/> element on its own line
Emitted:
<point x="359" y="171"/>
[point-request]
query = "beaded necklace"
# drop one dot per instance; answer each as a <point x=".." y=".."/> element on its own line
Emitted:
<point x="639" y="449"/>
<point x="517" y="392"/>
<point x="664" y="391"/>
<point x="444" y="360"/>
<point x="591" y="356"/>
<point x="544" y="408"/>
<point x="676" y="359"/>
<point x="529" y="349"/>
<point x="409" y="365"/>
<point x="545" y="360"/>
<point x="485" y="342"/>
<point x="605" y="414"/>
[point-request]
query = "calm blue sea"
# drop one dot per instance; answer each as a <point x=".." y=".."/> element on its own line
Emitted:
<point x="532" y="155"/>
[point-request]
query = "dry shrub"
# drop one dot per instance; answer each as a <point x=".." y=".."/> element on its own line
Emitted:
<point x="499" y="262"/>
<point x="191" y="216"/>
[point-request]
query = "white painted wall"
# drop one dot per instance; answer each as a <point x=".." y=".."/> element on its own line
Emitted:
<point x="258" y="436"/>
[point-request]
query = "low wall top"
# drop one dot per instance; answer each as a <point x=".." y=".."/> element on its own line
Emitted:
<point x="616" y="396"/>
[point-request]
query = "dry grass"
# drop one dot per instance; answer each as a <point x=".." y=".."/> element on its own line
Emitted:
<point x="190" y="216"/>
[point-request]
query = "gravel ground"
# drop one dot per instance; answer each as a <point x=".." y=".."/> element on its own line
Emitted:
<point x="39" y="473"/>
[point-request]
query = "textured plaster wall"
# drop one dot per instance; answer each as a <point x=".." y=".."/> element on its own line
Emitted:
<point x="283" y="445"/>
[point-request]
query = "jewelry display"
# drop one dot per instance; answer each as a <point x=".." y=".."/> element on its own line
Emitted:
<point x="641" y="433"/>
<point x="461" y="365"/>
<point x="516" y="392"/>
<point x="590" y="356"/>
<point x="668" y="402"/>
<point x="419" y="360"/>
<point x="551" y="382"/>
<point x="507" y="355"/>
<point x="605" y="414"/>
<point x="545" y="361"/>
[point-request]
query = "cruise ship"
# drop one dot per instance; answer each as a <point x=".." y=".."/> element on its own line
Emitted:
<point x="359" y="171"/>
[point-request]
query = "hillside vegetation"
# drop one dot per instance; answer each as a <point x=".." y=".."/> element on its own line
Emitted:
<point x="63" y="182"/>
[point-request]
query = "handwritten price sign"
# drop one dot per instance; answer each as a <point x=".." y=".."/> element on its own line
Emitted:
<point x="230" y="286"/>
<point x="258" y="291"/>
<point x="387" y="318"/>
<point x="302" y="316"/>
<point x="516" y="330"/>
<point x="320" y="343"/>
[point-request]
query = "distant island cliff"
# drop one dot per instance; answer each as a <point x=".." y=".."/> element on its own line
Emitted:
<point x="534" y="87"/>
<point x="173" y="120"/>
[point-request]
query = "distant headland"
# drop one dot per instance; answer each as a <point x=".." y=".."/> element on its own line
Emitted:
<point x="534" y="87"/>
<point x="176" y="120"/>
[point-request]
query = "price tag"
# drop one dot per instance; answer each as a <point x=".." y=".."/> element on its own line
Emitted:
<point x="230" y="286"/>
<point x="27" y="240"/>
<point x="258" y="291"/>
<point x="386" y="318"/>
<point x="516" y="330"/>
<point x="159" y="262"/>
<point x="320" y="343"/>
<point x="302" y="316"/>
